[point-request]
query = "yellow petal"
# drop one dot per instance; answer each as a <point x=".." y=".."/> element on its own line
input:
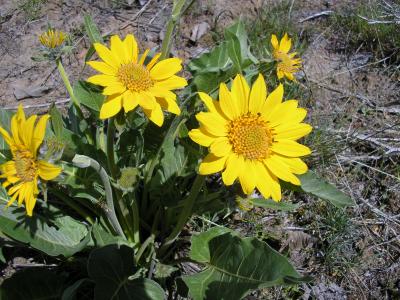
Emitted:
<point x="212" y="164"/>
<point x="208" y="101"/>
<point x="280" y="169"/>
<point x="153" y="61"/>
<point x="103" y="80"/>
<point x="172" y="83"/>
<point x="143" y="57"/>
<point x="155" y="115"/>
<point x="111" y="107"/>
<point x="102" y="67"/>
<point x="289" y="76"/>
<point x="280" y="73"/>
<point x="296" y="165"/>
<point x="274" y="42"/>
<point x="282" y="113"/>
<point x="132" y="49"/>
<point x="38" y="134"/>
<point x="240" y="92"/>
<point x="27" y="131"/>
<point x="201" y="137"/>
<point x="166" y="68"/>
<point x="266" y="184"/>
<point x="6" y="137"/>
<point x="292" y="131"/>
<point x="115" y="88"/>
<point x="147" y="101"/>
<point x="213" y="123"/>
<point x="290" y="148"/>
<point x="118" y="49"/>
<point x="234" y="167"/>
<point x="30" y="199"/>
<point x="221" y="147"/>
<point x="130" y="100"/>
<point x="248" y="177"/>
<point x="273" y="100"/>
<point x="48" y="171"/>
<point x="228" y="103"/>
<point x="286" y="44"/>
<point x="106" y="55"/>
<point x="258" y="95"/>
<point x="15" y="129"/>
<point x="166" y="99"/>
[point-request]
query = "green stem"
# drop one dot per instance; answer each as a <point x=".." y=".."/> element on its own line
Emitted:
<point x="176" y="14"/>
<point x="68" y="86"/>
<point x="142" y="248"/>
<point x="136" y="222"/>
<point x="185" y="213"/>
<point x="110" y="149"/>
<point x="67" y="200"/>
<point x="82" y="161"/>
<point x="114" y="175"/>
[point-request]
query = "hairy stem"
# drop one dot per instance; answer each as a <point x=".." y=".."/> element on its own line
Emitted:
<point x="82" y="161"/>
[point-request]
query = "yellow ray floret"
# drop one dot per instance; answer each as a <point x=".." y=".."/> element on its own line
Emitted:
<point x="128" y="82"/>
<point x="252" y="136"/>
<point x="52" y="38"/>
<point x="287" y="63"/>
<point x="21" y="174"/>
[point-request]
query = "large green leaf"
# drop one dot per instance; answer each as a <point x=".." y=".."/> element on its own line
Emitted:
<point x="234" y="266"/>
<point x="92" y="30"/>
<point x="113" y="270"/>
<point x="5" y="120"/>
<point x="33" y="284"/>
<point x="312" y="184"/>
<point x="48" y="231"/>
<point x="269" y="203"/>
<point x="89" y="95"/>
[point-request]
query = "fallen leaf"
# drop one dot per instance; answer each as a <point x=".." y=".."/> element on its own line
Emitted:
<point x="30" y="91"/>
<point x="199" y="30"/>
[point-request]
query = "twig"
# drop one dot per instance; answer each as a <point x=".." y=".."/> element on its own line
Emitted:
<point x="317" y="15"/>
<point x="59" y="102"/>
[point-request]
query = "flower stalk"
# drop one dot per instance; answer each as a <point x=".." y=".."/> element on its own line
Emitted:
<point x="82" y="161"/>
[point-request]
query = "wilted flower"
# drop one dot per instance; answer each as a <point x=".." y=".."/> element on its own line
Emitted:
<point x="129" y="82"/>
<point x="24" y="170"/>
<point x="252" y="137"/>
<point x="52" y="38"/>
<point x="287" y="63"/>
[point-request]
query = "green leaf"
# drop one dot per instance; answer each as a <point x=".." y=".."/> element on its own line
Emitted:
<point x="57" y="122"/>
<point x="33" y="284"/>
<point x="269" y="203"/>
<point x="234" y="266"/>
<point x="47" y="231"/>
<point x="112" y="268"/>
<point x="312" y="184"/>
<point x="92" y="30"/>
<point x="5" y="121"/>
<point x="71" y="292"/>
<point x="2" y="258"/>
<point x="235" y="53"/>
<point x="103" y="238"/>
<point x="89" y="95"/>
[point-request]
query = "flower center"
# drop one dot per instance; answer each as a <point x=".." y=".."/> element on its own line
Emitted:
<point x="285" y="63"/>
<point x="135" y="77"/>
<point x="25" y="165"/>
<point x="250" y="136"/>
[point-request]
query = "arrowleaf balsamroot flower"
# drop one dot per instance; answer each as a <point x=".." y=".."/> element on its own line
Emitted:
<point x="24" y="170"/>
<point x="52" y="38"/>
<point x="287" y="63"/>
<point x="252" y="137"/>
<point x="128" y="82"/>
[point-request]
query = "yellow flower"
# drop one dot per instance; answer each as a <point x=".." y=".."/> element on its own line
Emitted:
<point x="252" y="136"/>
<point x="128" y="82"/>
<point x="24" y="170"/>
<point x="52" y="38"/>
<point x="287" y="63"/>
